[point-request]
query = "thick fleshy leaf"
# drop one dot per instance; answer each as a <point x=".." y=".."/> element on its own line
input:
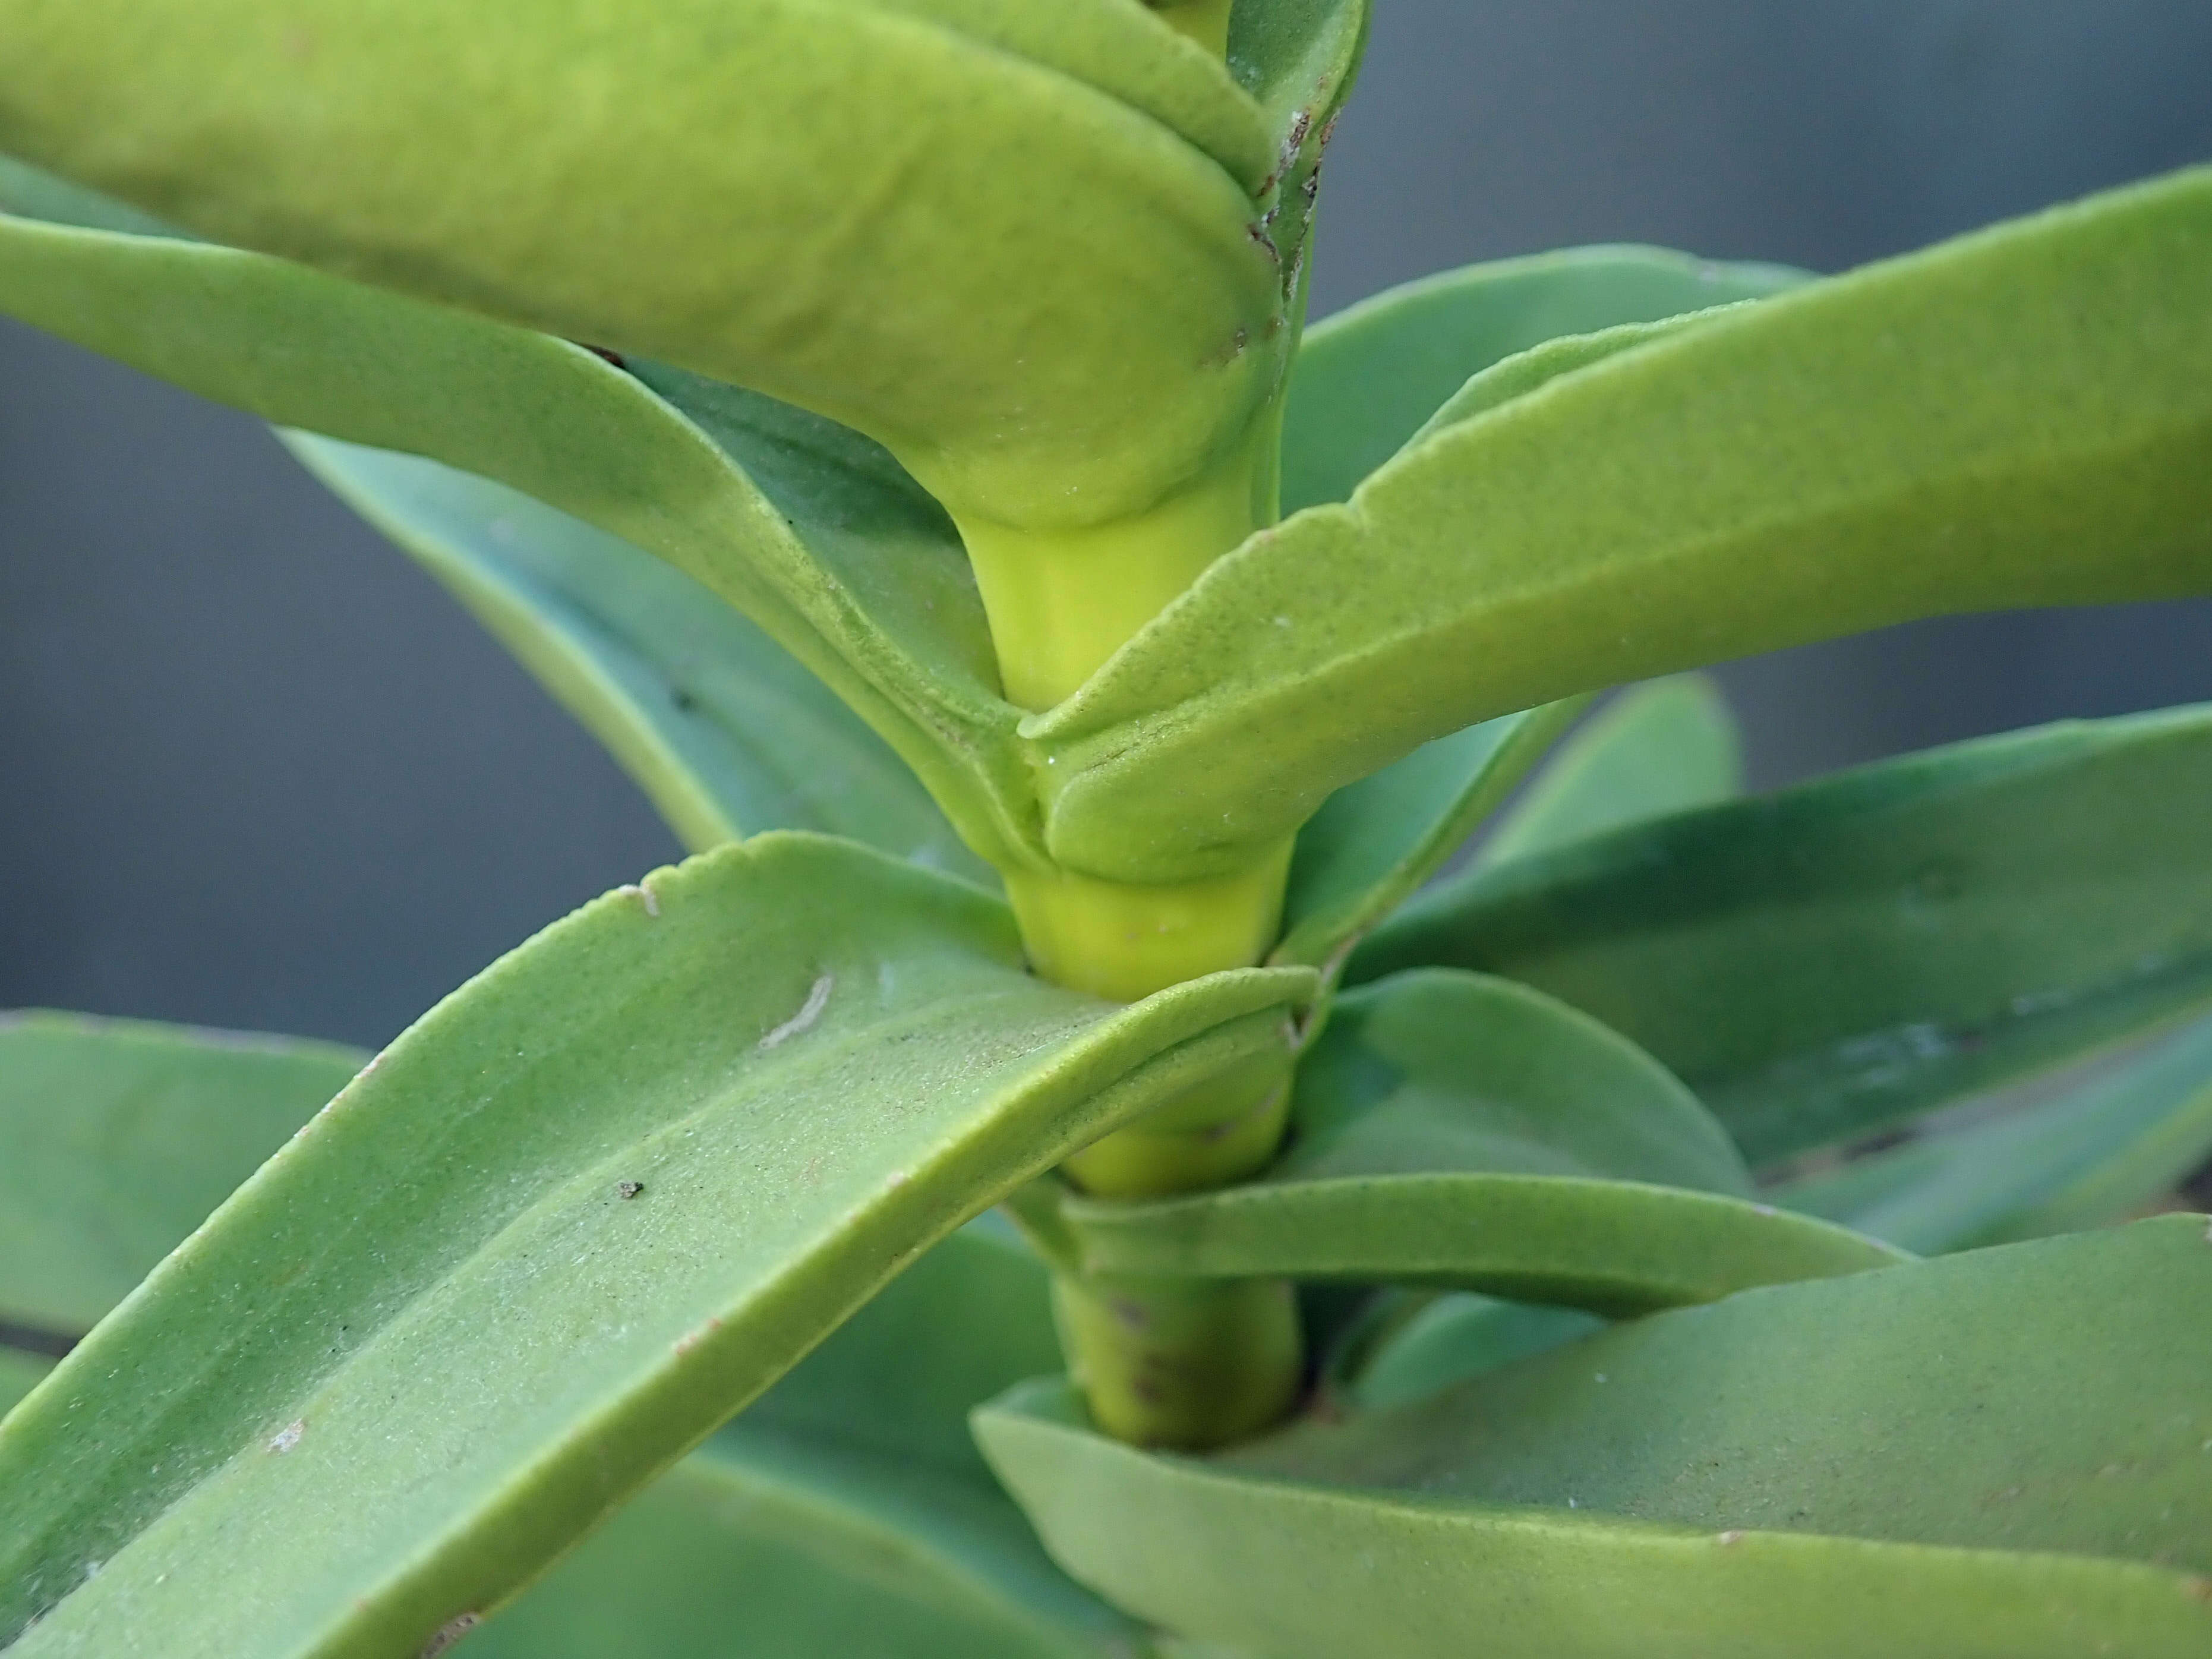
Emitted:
<point x="1441" y="1069"/>
<point x="1977" y="1456"/>
<point x="2016" y="418"/>
<point x="1660" y="748"/>
<point x="1418" y="1342"/>
<point x="1375" y="841"/>
<point x="722" y="729"/>
<point x="1617" y="1247"/>
<point x="1470" y="1134"/>
<point x="584" y="1209"/>
<point x="847" y="1510"/>
<point x="2095" y="1155"/>
<point x="1368" y="378"/>
<point x="1820" y="962"/>
<point x="117" y="1138"/>
<point x="810" y="530"/>
<point x="1023" y="256"/>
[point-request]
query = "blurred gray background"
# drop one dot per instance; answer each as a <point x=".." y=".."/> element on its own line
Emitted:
<point x="257" y="771"/>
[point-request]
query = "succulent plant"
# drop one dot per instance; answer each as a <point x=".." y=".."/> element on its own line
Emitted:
<point x="1082" y="1161"/>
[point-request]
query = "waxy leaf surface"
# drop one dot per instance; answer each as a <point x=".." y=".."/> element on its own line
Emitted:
<point x="2096" y="1154"/>
<point x="726" y="733"/>
<point x="117" y="1138"/>
<point x="1369" y="377"/>
<point x="846" y="1511"/>
<point x="1979" y="1456"/>
<point x="1822" y="961"/>
<point x="1047" y="299"/>
<point x="2016" y="418"/>
<point x="1656" y="748"/>
<point x="1375" y="841"/>
<point x="583" y="1210"/>
<point x="810" y="531"/>
<point x="1470" y="1134"/>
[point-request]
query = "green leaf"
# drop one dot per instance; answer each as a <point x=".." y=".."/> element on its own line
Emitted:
<point x="20" y="1372"/>
<point x="1367" y="379"/>
<point x="584" y="1209"/>
<point x="1471" y="1134"/>
<point x="1033" y="275"/>
<point x="1656" y="749"/>
<point x="847" y="1510"/>
<point x="724" y="732"/>
<point x="810" y="531"/>
<point x="1373" y="842"/>
<point x="2016" y="418"/>
<point x="1820" y="962"/>
<point x="1976" y="1456"/>
<point x="1441" y="1069"/>
<point x="117" y="1138"/>
<point x="2095" y="1155"/>
<point x="1422" y="1341"/>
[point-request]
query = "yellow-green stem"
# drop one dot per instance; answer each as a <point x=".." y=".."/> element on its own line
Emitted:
<point x="1163" y="1362"/>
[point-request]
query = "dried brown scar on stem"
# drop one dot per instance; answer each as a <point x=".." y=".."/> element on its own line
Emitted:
<point x="818" y="998"/>
<point x="644" y="896"/>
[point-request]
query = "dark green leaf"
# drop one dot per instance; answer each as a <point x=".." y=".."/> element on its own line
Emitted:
<point x="588" y="1206"/>
<point x="117" y="1137"/>
<point x="1375" y="841"/>
<point x="723" y="730"/>
<point x="1660" y="748"/>
<point x="1839" y="955"/>
<point x="1997" y="1455"/>
<point x="2095" y="1155"/>
<point x="1367" y="379"/>
<point x="2020" y="417"/>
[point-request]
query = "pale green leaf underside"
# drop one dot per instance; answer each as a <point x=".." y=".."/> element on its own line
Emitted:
<point x="1373" y="841"/>
<point x="117" y="1138"/>
<point x="1927" y="1460"/>
<point x="2097" y="1153"/>
<point x="1843" y="954"/>
<point x="726" y="733"/>
<point x="434" y="1316"/>
<point x="1369" y="377"/>
<point x="2017" y="419"/>
<point x="788" y="194"/>
<point x="1656" y="748"/>
<point x="810" y="531"/>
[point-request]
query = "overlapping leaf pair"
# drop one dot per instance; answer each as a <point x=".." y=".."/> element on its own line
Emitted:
<point x="1045" y="280"/>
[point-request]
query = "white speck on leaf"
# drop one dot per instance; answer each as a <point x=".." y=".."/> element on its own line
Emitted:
<point x="818" y="998"/>
<point x="289" y="1436"/>
<point x="644" y="896"/>
<point x="1731" y="1537"/>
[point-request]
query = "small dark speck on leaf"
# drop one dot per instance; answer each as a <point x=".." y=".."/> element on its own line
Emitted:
<point x="450" y="1632"/>
<point x="683" y="699"/>
<point x="629" y="1188"/>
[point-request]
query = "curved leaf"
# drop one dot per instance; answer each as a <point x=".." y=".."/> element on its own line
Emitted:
<point x="810" y="531"/>
<point x="1819" y="961"/>
<point x="1972" y="1457"/>
<point x="1373" y="842"/>
<point x="2095" y="1155"/>
<point x="1616" y="1248"/>
<point x="2016" y="418"/>
<point x="676" y="190"/>
<point x="118" y="1137"/>
<point x="1426" y="1341"/>
<point x="724" y="732"/>
<point x="1654" y="749"/>
<point x="584" y="1209"/>
<point x="1442" y="1069"/>
<point x="847" y="1510"/>
<point x="1369" y="377"/>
